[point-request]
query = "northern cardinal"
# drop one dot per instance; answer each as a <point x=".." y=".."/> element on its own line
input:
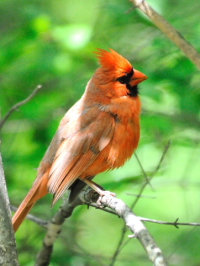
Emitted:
<point x="100" y="132"/>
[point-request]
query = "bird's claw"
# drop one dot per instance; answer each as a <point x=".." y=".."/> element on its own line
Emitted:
<point x="104" y="193"/>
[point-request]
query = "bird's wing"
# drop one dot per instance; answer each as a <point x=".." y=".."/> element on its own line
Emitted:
<point x="83" y="139"/>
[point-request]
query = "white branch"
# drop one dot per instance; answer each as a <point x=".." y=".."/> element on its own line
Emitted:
<point x="133" y="222"/>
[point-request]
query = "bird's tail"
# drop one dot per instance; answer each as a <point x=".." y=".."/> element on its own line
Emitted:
<point x="38" y="191"/>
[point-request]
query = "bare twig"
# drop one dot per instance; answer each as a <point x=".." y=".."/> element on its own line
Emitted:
<point x="169" y="31"/>
<point x="17" y="105"/>
<point x="161" y="159"/>
<point x="143" y="171"/>
<point x="175" y="223"/>
<point x="140" y="196"/>
<point x="153" y="174"/>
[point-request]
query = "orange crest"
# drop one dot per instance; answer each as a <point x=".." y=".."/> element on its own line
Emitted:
<point x="112" y="61"/>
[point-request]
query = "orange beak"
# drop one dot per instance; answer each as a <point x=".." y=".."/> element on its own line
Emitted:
<point x="137" y="77"/>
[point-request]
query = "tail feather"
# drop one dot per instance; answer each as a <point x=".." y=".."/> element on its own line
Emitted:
<point x="38" y="191"/>
<point x="20" y="215"/>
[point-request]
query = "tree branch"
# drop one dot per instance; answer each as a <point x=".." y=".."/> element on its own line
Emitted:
<point x="17" y="105"/>
<point x="133" y="222"/>
<point x="8" y="251"/>
<point x="169" y="31"/>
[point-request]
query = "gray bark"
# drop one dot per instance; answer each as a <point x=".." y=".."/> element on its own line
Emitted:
<point x="8" y="251"/>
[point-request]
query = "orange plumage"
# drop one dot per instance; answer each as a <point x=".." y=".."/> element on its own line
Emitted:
<point x="100" y="132"/>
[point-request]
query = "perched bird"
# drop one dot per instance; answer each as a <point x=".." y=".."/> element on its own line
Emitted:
<point x="100" y="132"/>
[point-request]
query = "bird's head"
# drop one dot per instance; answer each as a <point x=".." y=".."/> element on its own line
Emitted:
<point x="116" y="75"/>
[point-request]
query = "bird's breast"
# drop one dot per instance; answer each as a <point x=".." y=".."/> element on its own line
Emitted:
<point x="123" y="143"/>
<point x="127" y="130"/>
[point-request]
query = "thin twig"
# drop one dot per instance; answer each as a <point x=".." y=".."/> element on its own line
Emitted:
<point x="140" y="196"/>
<point x="153" y="174"/>
<point x="175" y="223"/>
<point x="17" y="105"/>
<point x="143" y="171"/>
<point x="161" y="159"/>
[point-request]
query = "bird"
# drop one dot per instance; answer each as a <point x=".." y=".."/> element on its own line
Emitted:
<point x="99" y="132"/>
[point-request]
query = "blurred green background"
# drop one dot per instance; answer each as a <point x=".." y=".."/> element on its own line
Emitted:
<point x="51" y="43"/>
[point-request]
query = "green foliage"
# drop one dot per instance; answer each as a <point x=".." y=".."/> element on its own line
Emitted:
<point x="51" y="43"/>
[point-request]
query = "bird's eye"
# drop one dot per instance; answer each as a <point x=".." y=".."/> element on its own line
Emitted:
<point x="126" y="78"/>
<point x="123" y="79"/>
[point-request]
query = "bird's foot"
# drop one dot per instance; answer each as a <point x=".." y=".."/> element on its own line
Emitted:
<point x="103" y="193"/>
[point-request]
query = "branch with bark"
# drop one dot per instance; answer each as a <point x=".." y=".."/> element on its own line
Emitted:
<point x="8" y="250"/>
<point x="175" y="36"/>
